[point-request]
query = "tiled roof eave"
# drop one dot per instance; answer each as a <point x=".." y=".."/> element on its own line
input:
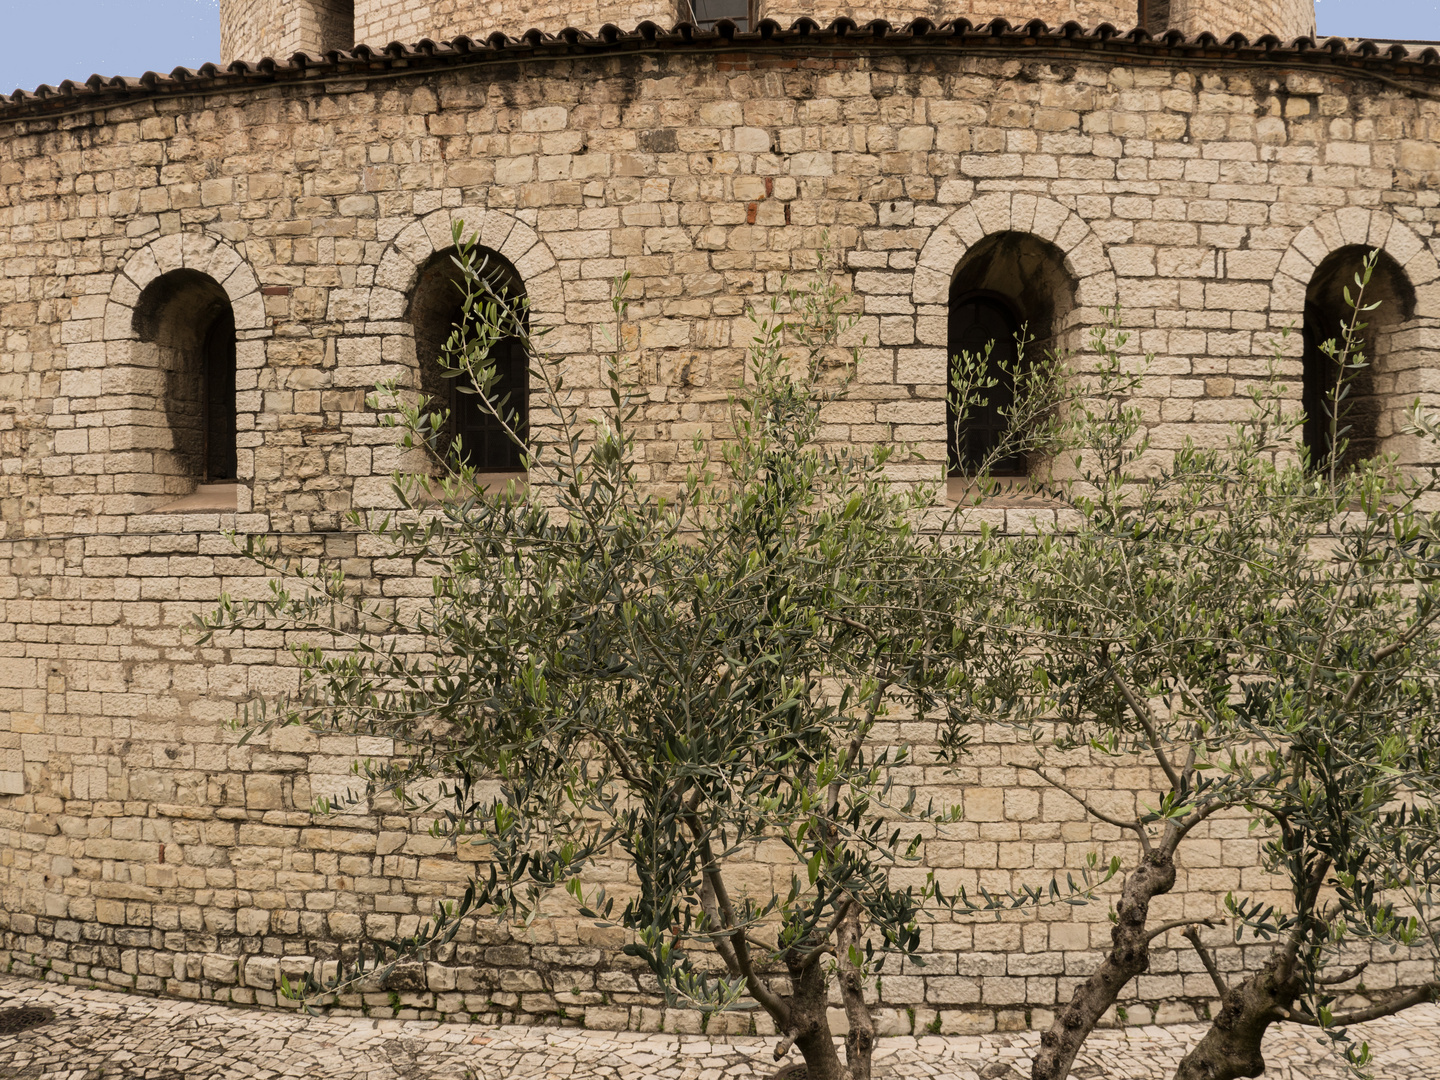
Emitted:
<point x="1363" y="58"/>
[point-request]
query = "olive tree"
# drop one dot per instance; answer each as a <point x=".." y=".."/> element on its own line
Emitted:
<point x="1262" y="632"/>
<point x="605" y="670"/>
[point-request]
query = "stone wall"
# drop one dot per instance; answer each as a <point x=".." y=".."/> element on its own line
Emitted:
<point x="381" y="21"/>
<point x="142" y="845"/>
<point x="251" y="29"/>
<point x="1286" y="19"/>
<point x="1120" y="13"/>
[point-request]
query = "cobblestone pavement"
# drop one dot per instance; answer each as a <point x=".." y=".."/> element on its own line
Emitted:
<point x="97" y="1034"/>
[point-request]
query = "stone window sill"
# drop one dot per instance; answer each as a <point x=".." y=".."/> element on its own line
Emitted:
<point x="495" y="481"/>
<point x="1014" y="492"/>
<point x="208" y="498"/>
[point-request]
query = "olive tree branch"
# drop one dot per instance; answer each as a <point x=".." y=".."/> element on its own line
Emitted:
<point x="1133" y="826"/>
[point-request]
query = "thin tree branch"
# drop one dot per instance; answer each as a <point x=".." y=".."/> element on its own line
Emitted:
<point x="1419" y="996"/>
<point x="824" y="946"/>
<point x="1147" y="721"/>
<point x="1381" y="655"/>
<point x="783" y="1046"/>
<point x="1199" y="814"/>
<point x="1343" y="976"/>
<point x="1132" y="826"/>
<point x="1176" y="924"/>
<point x="721" y="940"/>
<point x="1193" y="936"/>
<point x="744" y="966"/>
<point x="622" y="759"/>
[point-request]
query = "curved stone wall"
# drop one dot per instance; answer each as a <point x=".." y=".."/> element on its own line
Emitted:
<point x="1120" y="13"/>
<point x="1286" y="19"/>
<point x="142" y="845"/>
<point x="380" y="21"/>
<point x="251" y="29"/>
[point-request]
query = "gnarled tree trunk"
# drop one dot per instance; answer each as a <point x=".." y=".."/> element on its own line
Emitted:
<point x="1129" y="956"/>
<point x="811" y="1027"/>
<point x="1231" y="1048"/>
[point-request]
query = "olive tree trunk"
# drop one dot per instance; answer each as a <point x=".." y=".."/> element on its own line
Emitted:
<point x="810" y="1026"/>
<point x="1128" y="957"/>
<point x="1231" y="1048"/>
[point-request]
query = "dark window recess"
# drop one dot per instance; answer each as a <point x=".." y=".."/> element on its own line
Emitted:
<point x="335" y="23"/>
<point x="1326" y="314"/>
<point x="1358" y="410"/>
<point x="187" y="315"/>
<point x="1154" y="16"/>
<point x="436" y="309"/>
<point x="976" y="321"/>
<point x="219" y="395"/>
<point x="706" y="13"/>
<point x="483" y="439"/>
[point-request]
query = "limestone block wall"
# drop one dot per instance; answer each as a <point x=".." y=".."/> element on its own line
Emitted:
<point x="141" y="845"/>
<point x="1286" y="19"/>
<point x="380" y="21"/>
<point x="255" y="28"/>
<point x="252" y="29"/>
<point x="1120" y="13"/>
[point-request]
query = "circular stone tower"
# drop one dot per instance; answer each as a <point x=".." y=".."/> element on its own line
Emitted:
<point x="251" y="29"/>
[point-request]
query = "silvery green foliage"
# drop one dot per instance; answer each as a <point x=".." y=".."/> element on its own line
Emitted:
<point x="1261" y="631"/>
<point x="602" y="671"/>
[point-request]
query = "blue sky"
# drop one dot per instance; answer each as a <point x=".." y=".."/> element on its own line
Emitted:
<point x="72" y="39"/>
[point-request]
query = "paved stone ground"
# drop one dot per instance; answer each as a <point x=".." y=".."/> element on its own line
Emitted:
<point x="99" y="1035"/>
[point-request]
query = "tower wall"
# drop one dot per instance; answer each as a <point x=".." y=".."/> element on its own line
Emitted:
<point x="251" y="29"/>
<point x="1285" y="19"/>
<point x="381" y="21"/>
<point x="1121" y="13"/>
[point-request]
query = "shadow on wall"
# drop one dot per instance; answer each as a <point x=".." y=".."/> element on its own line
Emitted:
<point x="1009" y="282"/>
<point x="1371" y="393"/>
<point x="186" y="316"/>
<point x="437" y="307"/>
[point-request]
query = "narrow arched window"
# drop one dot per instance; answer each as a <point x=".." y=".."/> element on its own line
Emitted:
<point x="187" y="318"/>
<point x="1356" y="416"/>
<point x="1154" y="16"/>
<point x="436" y="311"/>
<point x="706" y="13"/>
<point x="1008" y="284"/>
<point x="218" y="389"/>
<point x="983" y="322"/>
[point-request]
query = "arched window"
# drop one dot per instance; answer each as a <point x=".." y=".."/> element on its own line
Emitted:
<point x="1154" y="16"/>
<point x="329" y="24"/>
<point x="706" y="13"/>
<point x="980" y="321"/>
<point x="1360" y="412"/>
<point x="437" y="308"/>
<point x="1007" y="282"/>
<point x="186" y="316"/>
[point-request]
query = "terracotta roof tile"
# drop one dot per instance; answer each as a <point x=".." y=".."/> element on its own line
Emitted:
<point x="1385" y="60"/>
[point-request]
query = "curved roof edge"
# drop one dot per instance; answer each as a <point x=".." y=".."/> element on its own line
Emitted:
<point x="1363" y="58"/>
